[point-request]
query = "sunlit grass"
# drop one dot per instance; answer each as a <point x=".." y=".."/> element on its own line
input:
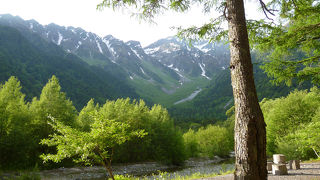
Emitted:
<point x="165" y="175"/>
<point x="312" y="161"/>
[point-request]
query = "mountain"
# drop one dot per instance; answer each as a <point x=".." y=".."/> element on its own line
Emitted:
<point x="211" y="104"/>
<point x="194" y="61"/>
<point x="163" y="72"/>
<point x="34" y="60"/>
<point x="192" y="81"/>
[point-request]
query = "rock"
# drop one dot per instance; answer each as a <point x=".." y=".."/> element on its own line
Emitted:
<point x="279" y="169"/>
<point x="279" y="159"/>
<point x="295" y="164"/>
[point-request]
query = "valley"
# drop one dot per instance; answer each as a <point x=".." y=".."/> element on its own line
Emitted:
<point x="164" y="72"/>
<point x="69" y="97"/>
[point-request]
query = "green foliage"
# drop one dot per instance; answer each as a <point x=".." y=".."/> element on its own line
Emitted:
<point x="308" y="138"/>
<point x="163" y="143"/>
<point x="211" y="104"/>
<point x="107" y="130"/>
<point x="291" y="46"/>
<point x="33" y="61"/>
<point x="292" y="124"/>
<point x="90" y="147"/>
<point x="111" y="126"/>
<point x="55" y="103"/>
<point x="191" y="143"/>
<point x="84" y="119"/>
<point x="213" y="141"/>
<point x="52" y="102"/>
<point x="15" y="137"/>
<point x="208" y="142"/>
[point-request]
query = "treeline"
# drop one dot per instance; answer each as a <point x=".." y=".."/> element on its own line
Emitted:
<point x="293" y="124"/>
<point x="24" y="124"/>
<point x="33" y="61"/>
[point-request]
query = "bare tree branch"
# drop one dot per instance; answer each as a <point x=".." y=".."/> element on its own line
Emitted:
<point x="266" y="10"/>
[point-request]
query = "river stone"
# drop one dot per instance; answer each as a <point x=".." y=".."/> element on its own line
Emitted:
<point x="279" y="159"/>
<point x="279" y="169"/>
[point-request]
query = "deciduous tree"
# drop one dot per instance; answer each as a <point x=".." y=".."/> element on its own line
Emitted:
<point x="94" y="146"/>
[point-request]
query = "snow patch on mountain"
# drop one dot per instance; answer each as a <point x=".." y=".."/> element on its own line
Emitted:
<point x="60" y="38"/>
<point x="203" y="71"/>
<point x="205" y="50"/>
<point x="31" y="25"/>
<point x="174" y="47"/>
<point x="136" y="53"/>
<point x="151" y="50"/>
<point x="202" y="47"/>
<point x="176" y="69"/>
<point x="79" y="44"/>
<point x="142" y="70"/>
<point x="99" y="47"/>
<point x="166" y="51"/>
<point x="111" y="50"/>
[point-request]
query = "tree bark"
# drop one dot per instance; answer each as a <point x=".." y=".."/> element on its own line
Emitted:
<point x="250" y="128"/>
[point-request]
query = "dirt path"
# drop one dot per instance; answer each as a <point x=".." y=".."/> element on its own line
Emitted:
<point x="308" y="171"/>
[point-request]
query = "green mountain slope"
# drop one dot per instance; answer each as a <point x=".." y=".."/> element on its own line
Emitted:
<point x="34" y="62"/>
<point x="211" y="104"/>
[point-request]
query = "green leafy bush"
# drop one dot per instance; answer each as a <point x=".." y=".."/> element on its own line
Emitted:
<point x="292" y="124"/>
<point x="208" y="142"/>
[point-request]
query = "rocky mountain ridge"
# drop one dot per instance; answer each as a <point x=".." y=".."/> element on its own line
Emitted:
<point x="166" y="64"/>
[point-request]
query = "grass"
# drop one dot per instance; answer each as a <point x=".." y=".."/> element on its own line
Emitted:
<point x="95" y="62"/>
<point x="24" y="175"/>
<point x="312" y="161"/>
<point x="165" y="175"/>
<point x="154" y="92"/>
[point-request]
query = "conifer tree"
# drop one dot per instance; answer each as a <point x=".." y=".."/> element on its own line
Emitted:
<point x="52" y="102"/>
<point x="290" y="46"/>
<point x="250" y="132"/>
<point x="85" y="120"/>
<point x="15" y="141"/>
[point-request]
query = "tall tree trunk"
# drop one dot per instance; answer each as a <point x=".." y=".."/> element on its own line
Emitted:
<point x="250" y="128"/>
